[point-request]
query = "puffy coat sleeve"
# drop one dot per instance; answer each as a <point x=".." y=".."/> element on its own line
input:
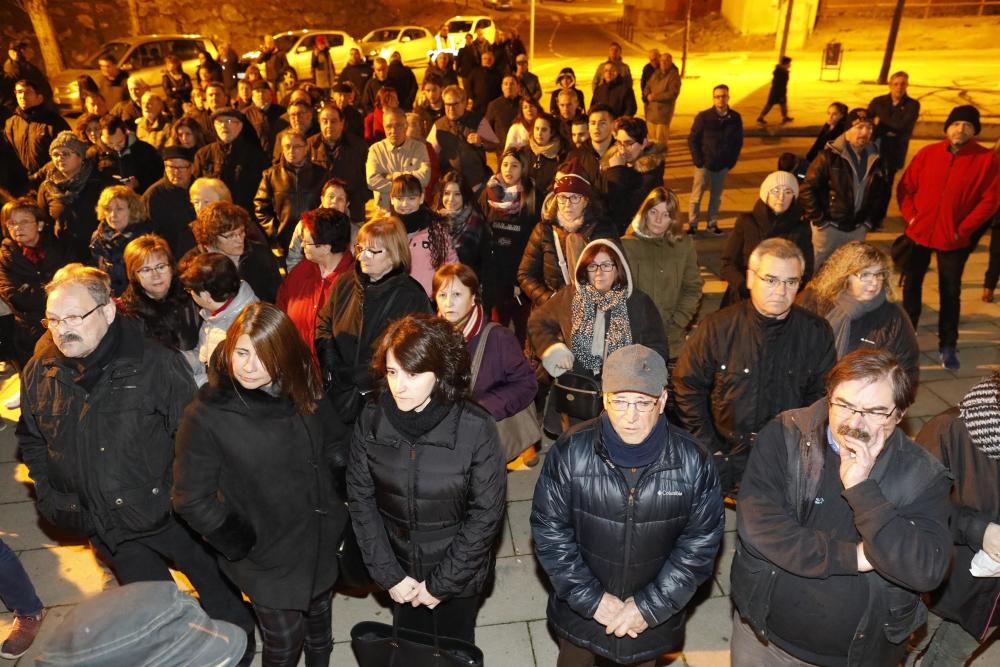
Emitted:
<point x="815" y="189"/>
<point x="555" y="536"/>
<point x="531" y="271"/>
<point x="694" y="377"/>
<point x="693" y="555"/>
<point x="544" y="323"/>
<point x="732" y="268"/>
<point x="647" y="325"/>
<point x="472" y="549"/>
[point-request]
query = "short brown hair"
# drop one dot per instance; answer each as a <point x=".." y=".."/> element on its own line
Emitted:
<point x="281" y="350"/>
<point x="219" y="218"/>
<point x="21" y="204"/>
<point x="871" y="365"/>
<point x="141" y="249"/>
<point x="211" y="272"/>
<point x="456" y="271"/>
<point x="588" y="255"/>
<point x="423" y="343"/>
<point x="391" y="234"/>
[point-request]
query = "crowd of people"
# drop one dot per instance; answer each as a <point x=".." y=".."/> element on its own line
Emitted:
<point x="257" y="319"/>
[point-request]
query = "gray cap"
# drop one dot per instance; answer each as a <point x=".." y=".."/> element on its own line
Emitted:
<point x="67" y="139"/>
<point x="149" y="623"/>
<point x="634" y="368"/>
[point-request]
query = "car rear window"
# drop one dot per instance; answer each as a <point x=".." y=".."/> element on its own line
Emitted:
<point x="460" y="26"/>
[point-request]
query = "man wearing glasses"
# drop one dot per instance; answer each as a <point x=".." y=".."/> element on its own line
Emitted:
<point x="627" y="517"/>
<point x="167" y="200"/>
<point x="236" y="158"/>
<point x="843" y="522"/>
<point x="99" y="407"/>
<point x="749" y="361"/>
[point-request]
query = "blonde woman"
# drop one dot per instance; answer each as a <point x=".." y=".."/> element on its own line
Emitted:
<point x="664" y="264"/>
<point x="121" y="216"/>
<point x="853" y="293"/>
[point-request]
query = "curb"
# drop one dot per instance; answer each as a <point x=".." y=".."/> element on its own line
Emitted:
<point x="925" y="129"/>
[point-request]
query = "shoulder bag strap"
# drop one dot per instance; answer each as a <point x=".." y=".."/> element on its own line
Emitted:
<point x="477" y="358"/>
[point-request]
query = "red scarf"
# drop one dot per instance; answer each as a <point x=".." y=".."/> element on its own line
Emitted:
<point x="34" y="255"/>
<point x="474" y="324"/>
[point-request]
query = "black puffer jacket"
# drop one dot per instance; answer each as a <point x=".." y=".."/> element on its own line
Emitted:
<point x="656" y="542"/>
<point x="827" y="193"/>
<point x="509" y="236"/>
<point x="715" y="141"/>
<point x="256" y="479"/>
<point x="284" y="194"/>
<point x="31" y="132"/>
<point x="887" y="327"/>
<point x="102" y="461"/>
<point x="975" y="503"/>
<point x="139" y="159"/>
<point x="429" y="509"/>
<point x="170" y="212"/>
<point x="626" y="186"/>
<point x="239" y="165"/>
<point x="22" y="288"/>
<point x="752" y="228"/>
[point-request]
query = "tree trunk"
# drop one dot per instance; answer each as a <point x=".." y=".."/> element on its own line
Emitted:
<point x="48" y="43"/>
<point x="133" y="18"/>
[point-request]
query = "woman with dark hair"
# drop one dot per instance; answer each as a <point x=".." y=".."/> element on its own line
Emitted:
<point x="222" y="227"/>
<point x="852" y="291"/>
<point x="122" y="217"/>
<point x="664" y="264"/>
<point x="456" y="206"/>
<point x="155" y="296"/>
<point x="188" y="133"/>
<point x="362" y="303"/>
<point x="520" y="131"/>
<point x="510" y="205"/>
<point x="430" y="541"/>
<point x="326" y="235"/>
<point x="385" y="98"/>
<point x="836" y="123"/>
<point x="88" y="128"/>
<point x="430" y="240"/>
<point x="585" y="321"/>
<point x="254" y="475"/>
<point x="208" y="69"/>
<point x="775" y="213"/>
<point x="176" y="85"/>
<point x="543" y="152"/>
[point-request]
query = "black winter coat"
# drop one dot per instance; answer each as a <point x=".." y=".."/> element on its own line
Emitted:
<point x="170" y="213"/>
<point x="825" y="136"/>
<point x="257" y="266"/>
<point x="484" y="87"/>
<point x="429" y="509"/>
<point x="22" y="288"/>
<point x="73" y="211"/>
<point x="139" y="159"/>
<point x="827" y="193"/>
<point x="509" y="236"/>
<point x="779" y="86"/>
<point x="173" y="320"/>
<point x="256" y="479"/>
<point x="715" y="141"/>
<point x="975" y="503"/>
<point x="239" y="165"/>
<point x="31" y="132"/>
<point x="656" y="541"/>
<point x="618" y="95"/>
<point x="752" y="228"/>
<point x="342" y="161"/>
<point x="284" y="194"/>
<point x="895" y="127"/>
<point x="626" y="187"/>
<point x="102" y="461"/>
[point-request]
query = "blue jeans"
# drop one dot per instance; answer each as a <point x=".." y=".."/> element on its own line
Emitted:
<point x="16" y="589"/>
<point x="714" y="181"/>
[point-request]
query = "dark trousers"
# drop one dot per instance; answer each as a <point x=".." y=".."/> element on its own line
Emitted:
<point x="455" y="618"/>
<point x="16" y="590"/>
<point x="146" y="559"/>
<point x="950" y="264"/>
<point x="507" y="310"/>
<point x="783" y="105"/>
<point x="571" y="655"/>
<point x="287" y="631"/>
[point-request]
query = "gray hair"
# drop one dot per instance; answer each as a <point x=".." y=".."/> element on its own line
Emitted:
<point x="95" y="281"/>
<point x="776" y="247"/>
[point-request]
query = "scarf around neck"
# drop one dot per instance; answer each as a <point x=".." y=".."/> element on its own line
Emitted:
<point x="592" y="339"/>
<point x="67" y="189"/>
<point x="411" y="424"/>
<point x="845" y="310"/>
<point x="641" y="455"/>
<point x="473" y="323"/>
<point x="505" y="199"/>
<point x="549" y="150"/>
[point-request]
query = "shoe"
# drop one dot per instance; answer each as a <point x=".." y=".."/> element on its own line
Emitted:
<point x="761" y="121"/>
<point x="786" y="119"/>
<point x="692" y="230"/>
<point x="714" y="230"/>
<point x="21" y="637"/>
<point x="14" y="402"/>
<point x="987" y="295"/>
<point x="525" y="460"/>
<point x="949" y="358"/>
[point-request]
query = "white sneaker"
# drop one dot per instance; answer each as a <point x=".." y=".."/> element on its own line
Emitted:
<point x="14" y="402"/>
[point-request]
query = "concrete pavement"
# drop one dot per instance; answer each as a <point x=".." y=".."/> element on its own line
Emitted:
<point x="512" y="629"/>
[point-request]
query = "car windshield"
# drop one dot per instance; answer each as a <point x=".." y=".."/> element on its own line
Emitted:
<point x="381" y="35"/>
<point x="459" y="26"/>
<point x="285" y="42"/>
<point x="114" y="49"/>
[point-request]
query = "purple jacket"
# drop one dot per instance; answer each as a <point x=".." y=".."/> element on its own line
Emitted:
<point x="506" y="383"/>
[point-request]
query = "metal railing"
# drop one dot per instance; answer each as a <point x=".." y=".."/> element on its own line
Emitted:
<point x="913" y="7"/>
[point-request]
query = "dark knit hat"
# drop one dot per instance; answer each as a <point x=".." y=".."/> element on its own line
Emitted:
<point x="177" y="153"/>
<point x="67" y="139"/>
<point x="574" y="184"/>
<point x="980" y="410"/>
<point x="858" y="115"/>
<point x="966" y="112"/>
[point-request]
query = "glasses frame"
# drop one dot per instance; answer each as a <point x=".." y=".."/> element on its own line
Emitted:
<point x="772" y="282"/>
<point x="603" y="267"/>
<point x="71" y="321"/>
<point x="872" y="276"/>
<point x="620" y="405"/>
<point x="149" y="270"/>
<point x="871" y="416"/>
<point x="371" y="252"/>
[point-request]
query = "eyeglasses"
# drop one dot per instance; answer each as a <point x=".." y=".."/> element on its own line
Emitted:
<point x="875" y="417"/>
<point x="781" y="192"/>
<point x="628" y="144"/>
<point x="872" y="276"/>
<point x="371" y="253"/>
<point x="17" y="224"/>
<point x="233" y="235"/>
<point x="772" y="282"/>
<point x="174" y="167"/>
<point x="454" y="104"/>
<point x="603" y="267"/>
<point x="642" y="407"/>
<point x="72" y="321"/>
<point x="149" y="270"/>
<point x="569" y="199"/>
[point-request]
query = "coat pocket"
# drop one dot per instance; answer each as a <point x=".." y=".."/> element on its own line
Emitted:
<point x="141" y="509"/>
<point x="906" y="614"/>
<point x="63" y="510"/>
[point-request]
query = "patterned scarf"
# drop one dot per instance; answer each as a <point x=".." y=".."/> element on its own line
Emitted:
<point x="472" y="323"/>
<point x="980" y="410"/>
<point x="589" y="334"/>
<point x="505" y="199"/>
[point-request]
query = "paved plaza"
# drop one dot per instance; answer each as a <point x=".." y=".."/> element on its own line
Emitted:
<point x="512" y="628"/>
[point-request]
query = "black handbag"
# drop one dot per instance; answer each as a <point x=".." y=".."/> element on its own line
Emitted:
<point x="351" y="569"/>
<point x="901" y="250"/>
<point x="380" y="645"/>
<point x="578" y="395"/>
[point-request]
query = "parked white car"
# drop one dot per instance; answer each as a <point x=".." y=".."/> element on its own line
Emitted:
<point x="413" y="42"/>
<point x="459" y="26"/>
<point x="141" y="56"/>
<point x="298" y="47"/>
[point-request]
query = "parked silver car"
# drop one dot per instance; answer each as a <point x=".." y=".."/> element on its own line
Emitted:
<point x="414" y="43"/>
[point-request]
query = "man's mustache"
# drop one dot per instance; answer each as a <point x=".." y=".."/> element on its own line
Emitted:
<point x="856" y="433"/>
<point x="70" y="338"/>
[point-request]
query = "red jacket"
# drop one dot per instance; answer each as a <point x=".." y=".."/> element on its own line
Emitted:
<point x="944" y="198"/>
<point x="305" y="291"/>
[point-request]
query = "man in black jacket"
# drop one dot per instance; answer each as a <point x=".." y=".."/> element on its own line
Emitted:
<point x="501" y="112"/>
<point x="749" y="361"/>
<point x="895" y="115"/>
<point x="631" y="170"/>
<point x="32" y="127"/>
<point x="236" y="158"/>
<point x="627" y="518"/>
<point x="125" y="159"/>
<point x="167" y="200"/>
<point x="843" y="523"/>
<point x="99" y="408"/>
<point x="340" y="153"/>
<point x="287" y="190"/>
<point x="615" y="92"/>
<point x="715" y="143"/>
<point x="484" y="83"/>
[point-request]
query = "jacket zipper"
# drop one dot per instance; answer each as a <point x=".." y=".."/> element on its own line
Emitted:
<point x="411" y="522"/>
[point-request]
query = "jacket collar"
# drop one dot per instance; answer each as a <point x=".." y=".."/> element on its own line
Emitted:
<point x="445" y="434"/>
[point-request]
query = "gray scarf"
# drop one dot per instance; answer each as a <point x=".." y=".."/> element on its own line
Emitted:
<point x="845" y="310"/>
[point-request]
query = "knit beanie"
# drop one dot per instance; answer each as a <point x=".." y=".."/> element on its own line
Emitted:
<point x="966" y="112"/>
<point x="573" y="184"/>
<point x="980" y="410"/>
<point x="857" y="116"/>
<point x="67" y="139"/>
<point x="778" y="179"/>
